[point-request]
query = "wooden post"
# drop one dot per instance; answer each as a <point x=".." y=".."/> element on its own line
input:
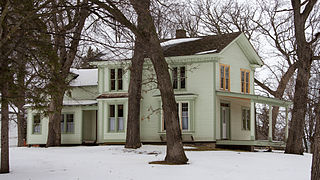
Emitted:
<point x="252" y="120"/>
<point x="287" y="126"/>
<point x="270" y="123"/>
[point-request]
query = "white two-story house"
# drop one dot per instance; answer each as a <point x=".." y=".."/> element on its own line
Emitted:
<point x="213" y="81"/>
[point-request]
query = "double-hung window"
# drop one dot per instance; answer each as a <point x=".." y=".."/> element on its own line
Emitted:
<point x="183" y="110"/>
<point x="116" y="118"/>
<point x="245" y="119"/>
<point x="67" y="123"/>
<point x="245" y="81"/>
<point x="225" y="77"/>
<point x="179" y="77"/>
<point x="116" y="82"/>
<point x="36" y="127"/>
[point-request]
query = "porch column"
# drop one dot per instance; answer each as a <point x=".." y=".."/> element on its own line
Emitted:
<point x="252" y="121"/>
<point x="270" y="123"/>
<point x="287" y="126"/>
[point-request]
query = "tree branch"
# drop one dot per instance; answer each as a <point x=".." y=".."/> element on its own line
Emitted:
<point x="263" y="86"/>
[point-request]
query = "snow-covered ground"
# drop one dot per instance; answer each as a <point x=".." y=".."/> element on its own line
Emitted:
<point x="115" y="162"/>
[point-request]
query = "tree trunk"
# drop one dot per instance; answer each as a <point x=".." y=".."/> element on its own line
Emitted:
<point x="294" y="143"/>
<point x="305" y="55"/>
<point x="21" y="126"/>
<point x="315" y="171"/>
<point x="19" y="102"/>
<point x="4" y="127"/>
<point x="133" y="124"/>
<point x="54" y="129"/>
<point x="175" y="151"/>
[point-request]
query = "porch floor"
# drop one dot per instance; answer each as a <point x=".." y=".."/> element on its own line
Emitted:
<point x="252" y="143"/>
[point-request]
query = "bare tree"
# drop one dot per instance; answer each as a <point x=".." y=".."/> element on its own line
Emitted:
<point x="66" y="24"/>
<point x="305" y="56"/>
<point x="147" y="33"/>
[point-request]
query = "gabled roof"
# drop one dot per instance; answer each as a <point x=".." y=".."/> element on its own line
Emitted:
<point x="197" y="46"/>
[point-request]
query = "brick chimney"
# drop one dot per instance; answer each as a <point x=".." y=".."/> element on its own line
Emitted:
<point x="181" y="33"/>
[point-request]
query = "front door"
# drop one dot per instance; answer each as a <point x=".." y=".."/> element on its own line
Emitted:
<point x="225" y="120"/>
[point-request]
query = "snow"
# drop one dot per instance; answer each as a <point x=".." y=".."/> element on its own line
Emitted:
<point x="79" y="102"/>
<point x="118" y="163"/>
<point x="178" y="41"/>
<point x="207" y="52"/>
<point x="87" y="77"/>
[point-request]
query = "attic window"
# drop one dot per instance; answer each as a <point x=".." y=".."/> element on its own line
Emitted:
<point x="225" y="77"/>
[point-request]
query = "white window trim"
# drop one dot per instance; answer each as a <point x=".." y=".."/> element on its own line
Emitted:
<point x="247" y="110"/>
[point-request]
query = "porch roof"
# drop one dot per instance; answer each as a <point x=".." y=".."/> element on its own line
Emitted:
<point x="79" y="102"/>
<point x="256" y="98"/>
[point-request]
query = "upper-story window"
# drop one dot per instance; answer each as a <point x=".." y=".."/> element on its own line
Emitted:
<point x="225" y="77"/>
<point x="179" y="77"/>
<point x="116" y="79"/>
<point x="245" y="81"/>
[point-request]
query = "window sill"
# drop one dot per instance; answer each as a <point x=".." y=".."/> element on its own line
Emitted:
<point x="182" y="132"/>
<point x="36" y="133"/>
<point x="115" y="132"/>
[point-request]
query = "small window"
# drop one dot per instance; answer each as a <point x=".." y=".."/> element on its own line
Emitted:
<point x="116" y="118"/>
<point x="179" y="77"/>
<point x="246" y="119"/>
<point x="36" y="129"/>
<point x="245" y="80"/>
<point x="67" y="123"/>
<point x="70" y="123"/>
<point x="116" y="81"/>
<point x="225" y="77"/>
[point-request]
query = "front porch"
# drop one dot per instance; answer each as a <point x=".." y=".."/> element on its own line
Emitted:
<point x="246" y="136"/>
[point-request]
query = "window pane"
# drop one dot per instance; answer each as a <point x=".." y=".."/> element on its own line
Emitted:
<point x="227" y="77"/>
<point x="111" y="110"/>
<point x="119" y="79"/>
<point x="112" y="74"/>
<point x="182" y="77"/>
<point x="113" y="79"/>
<point x="70" y="124"/>
<point x="244" y="123"/>
<point x="222" y="77"/>
<point x="175" y="78"/>
<point x="242" y="81"/>
<point x="120" y="110"/>
<point x="112" y="124"/>
<point x="247" y="82"/>
<point x="120" y="123"/>
<point x="248" y="119"/>
<point x="185" y="116"/>
<point x="62" y="122"/>
<point x="36" y="124"/>
<point x="242" y="87"/>
<point x="112" y="119"/>
<point x="36" y="118"/>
